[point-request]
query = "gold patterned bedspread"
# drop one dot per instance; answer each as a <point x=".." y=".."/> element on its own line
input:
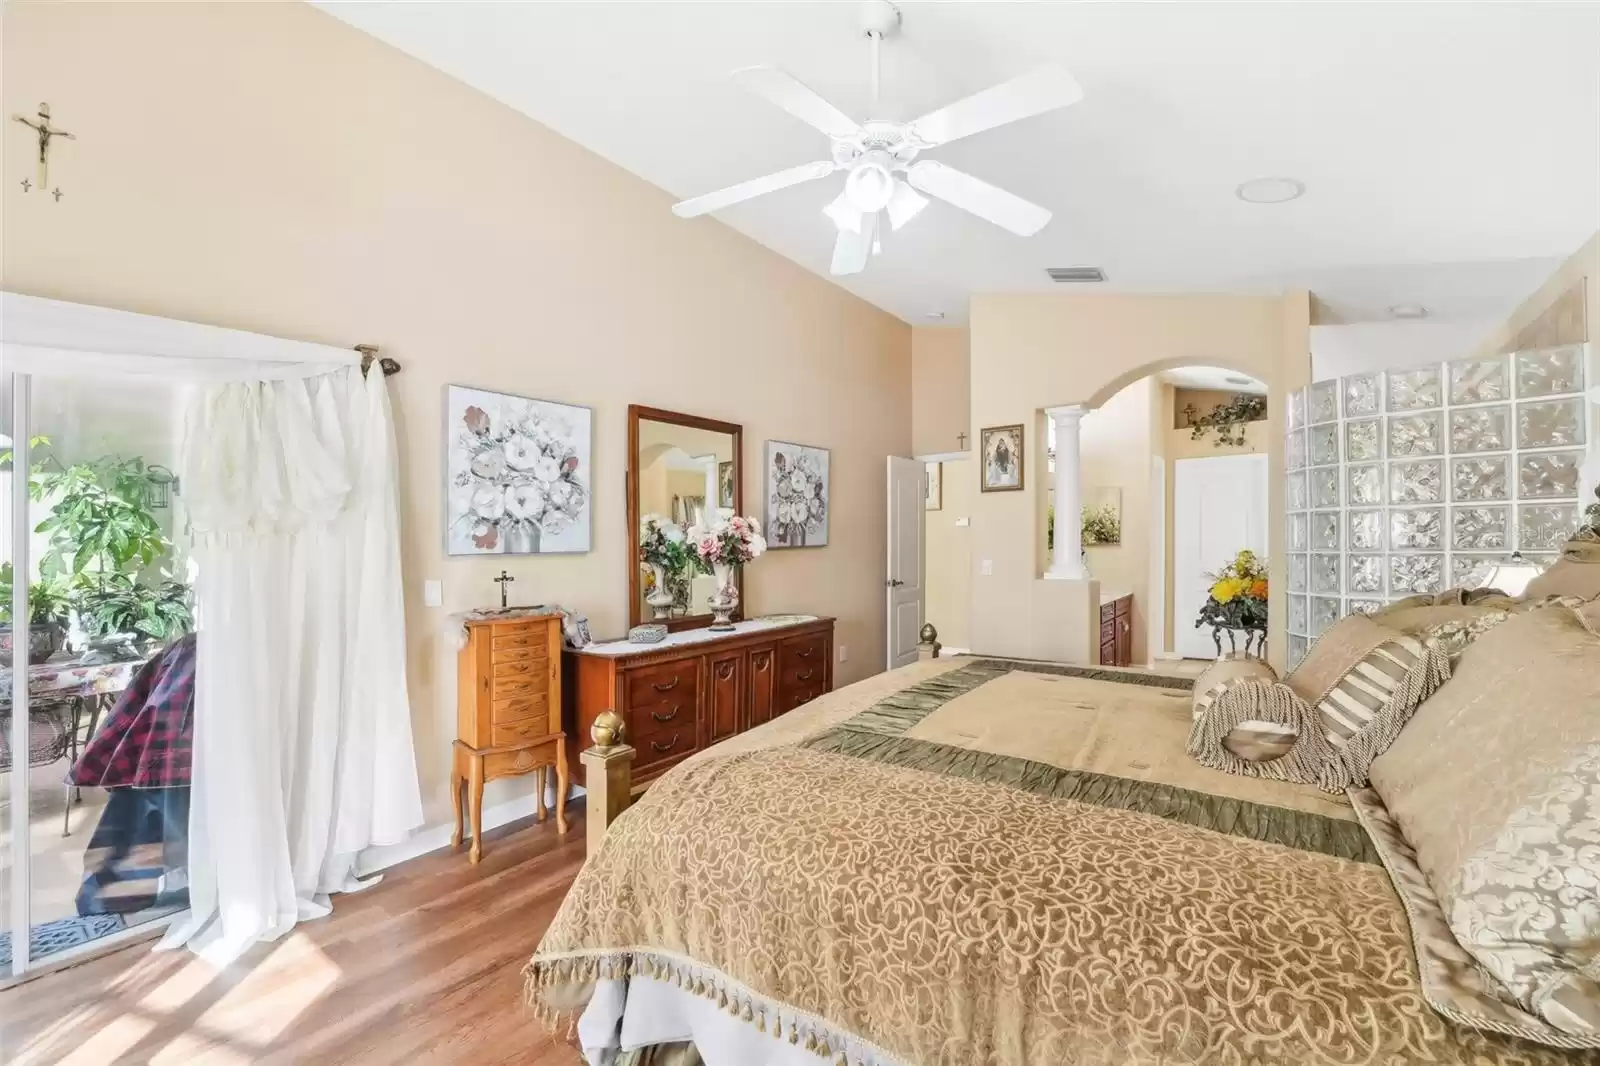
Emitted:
<point x="979" y="861"/>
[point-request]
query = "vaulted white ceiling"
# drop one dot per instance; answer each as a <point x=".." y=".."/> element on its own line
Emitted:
<point x="1450" y="151"/>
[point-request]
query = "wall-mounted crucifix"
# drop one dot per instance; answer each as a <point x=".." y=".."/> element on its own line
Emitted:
<point x="46" y="133"/>
<point x="501" y="581"/>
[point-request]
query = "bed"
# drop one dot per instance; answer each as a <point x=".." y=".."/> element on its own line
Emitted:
<point x="986" y="861"/>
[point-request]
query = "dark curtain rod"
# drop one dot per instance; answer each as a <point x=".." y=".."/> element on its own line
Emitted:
<point x="369" y="352"/>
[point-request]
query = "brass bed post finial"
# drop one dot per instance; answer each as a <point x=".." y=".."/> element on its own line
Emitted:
<point x="607" y="776"/>
<point x="929" y="646"/>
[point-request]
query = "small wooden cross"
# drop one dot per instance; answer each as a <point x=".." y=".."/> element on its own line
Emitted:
<point x="501" y="581"/>
<point x="961" y="441"/>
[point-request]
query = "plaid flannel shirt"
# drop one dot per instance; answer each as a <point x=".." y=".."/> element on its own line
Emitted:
<point x="147" y="741"/>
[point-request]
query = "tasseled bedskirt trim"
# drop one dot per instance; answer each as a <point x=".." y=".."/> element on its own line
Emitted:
<point x="571" y="976"/>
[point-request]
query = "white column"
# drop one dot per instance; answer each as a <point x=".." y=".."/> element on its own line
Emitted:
<point x="1067" y="561"/>
<point x="713" y="488"/>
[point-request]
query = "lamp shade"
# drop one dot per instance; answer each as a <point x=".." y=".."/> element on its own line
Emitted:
<point x="1510" y="576"/>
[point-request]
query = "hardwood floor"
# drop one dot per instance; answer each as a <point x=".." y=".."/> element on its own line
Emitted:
<point x="423" y="968"/>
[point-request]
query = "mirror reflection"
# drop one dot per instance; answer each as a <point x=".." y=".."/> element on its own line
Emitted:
<point x="686" y="479"/>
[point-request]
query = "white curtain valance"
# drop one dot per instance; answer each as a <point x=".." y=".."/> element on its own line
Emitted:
<point x="54" y="337"/>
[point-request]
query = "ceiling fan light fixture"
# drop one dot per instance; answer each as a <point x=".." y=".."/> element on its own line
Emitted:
<point x="904" y="205"/>
<point x="844" y="214"/>
<point x="870" y="184"/>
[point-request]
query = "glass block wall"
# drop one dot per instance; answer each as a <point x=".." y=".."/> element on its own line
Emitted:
<point x="1417" y="480"/>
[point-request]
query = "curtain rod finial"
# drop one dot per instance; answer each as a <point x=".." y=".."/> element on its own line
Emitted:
<point x="369" y="352"/>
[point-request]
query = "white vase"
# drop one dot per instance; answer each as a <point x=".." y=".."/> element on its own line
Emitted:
<point x="520" y="538"/>
<point x="725" y="600"/>
<point x="660" y="598"/>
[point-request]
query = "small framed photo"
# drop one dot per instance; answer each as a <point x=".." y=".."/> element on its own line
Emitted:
<point x="933" y="487"/>
<point x="1001" y="448"/>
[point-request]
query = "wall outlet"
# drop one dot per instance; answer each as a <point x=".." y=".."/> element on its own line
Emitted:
<point x="962" y="523"/>
<point x="986" y="568"/>
<point x="844" y="653"/>
<point x="433" y="593"/>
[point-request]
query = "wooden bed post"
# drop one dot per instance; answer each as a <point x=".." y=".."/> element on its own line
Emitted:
<point x="607" y="776"/>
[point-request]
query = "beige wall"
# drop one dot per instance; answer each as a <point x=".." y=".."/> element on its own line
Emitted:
<point x="1035" y="351"/>
<point x="266" y="167"/>
<point x="1562" y="311"/>
<point x="1116" y="448"/>
<point x="949" y="556"/>
<point x="940" y="390"/>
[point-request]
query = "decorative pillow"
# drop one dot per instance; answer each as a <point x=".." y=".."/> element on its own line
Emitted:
<point x="1247" y="722"/>
<point x="1576" y="573"/>
<point x="1452" y="628"/>
<point x="1456" y="597"/>
<point x="1496" y="785"/>
<point x="1364" y="681"/>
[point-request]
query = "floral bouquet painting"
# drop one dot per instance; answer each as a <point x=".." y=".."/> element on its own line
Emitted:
<point x="797" y="495"/>
<point x="517" y="473"/>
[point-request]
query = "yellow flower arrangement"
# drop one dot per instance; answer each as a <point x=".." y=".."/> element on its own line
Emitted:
<point x="1238" y="597"/>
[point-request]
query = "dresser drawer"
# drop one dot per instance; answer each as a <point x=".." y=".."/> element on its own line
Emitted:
<point x="529" y="667"/>
<point x="507" y="763"/>
<point x="1108" y="612"/>
<point x="523" y="685"/>
<point x="519" y="653"/>
<point x="518" y="637"/>
<point x="517" y="708"/>
<point x="799" y="653"/>
<point x="674" y="683"/>
<point x="663" y="745"/>
<point x="505" y="734"/>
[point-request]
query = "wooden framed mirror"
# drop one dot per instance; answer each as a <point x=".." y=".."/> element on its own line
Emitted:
<point x="682" y="470"/>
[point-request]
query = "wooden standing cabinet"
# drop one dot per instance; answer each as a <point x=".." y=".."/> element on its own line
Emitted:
<point x="508" y="715"/>
<point x="698" y="688"/>
<point x="1116" y="631"/>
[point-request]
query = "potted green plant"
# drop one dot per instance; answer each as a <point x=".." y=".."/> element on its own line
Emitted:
<point x="47" y="616"/>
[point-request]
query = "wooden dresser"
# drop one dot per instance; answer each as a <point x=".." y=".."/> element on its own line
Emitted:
<point x="1116" y="629"/>
<point x="699" y="687"/>
<point x="508" y="715"/>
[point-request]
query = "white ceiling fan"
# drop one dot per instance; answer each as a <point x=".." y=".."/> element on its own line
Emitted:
<point x="881" y="157"/>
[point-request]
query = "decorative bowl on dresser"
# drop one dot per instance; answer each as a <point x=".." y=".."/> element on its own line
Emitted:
<point x="508" y="714"/>
<point x="698" y="687"/>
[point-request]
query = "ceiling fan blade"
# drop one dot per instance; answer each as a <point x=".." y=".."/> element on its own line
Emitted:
<point x="805" y="105"/>
<point x="1031" y="94"/>
<point x="851" y="250"/>
<point x="1004" y="209"/>
<point x="745" y="190"/>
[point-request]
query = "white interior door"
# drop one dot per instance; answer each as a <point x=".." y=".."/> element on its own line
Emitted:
<point x="1219" y="508"/>
<point x="906" y="587"/>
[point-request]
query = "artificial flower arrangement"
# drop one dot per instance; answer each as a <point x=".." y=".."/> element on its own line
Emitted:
<point x="1238" y="597"/>
<point x="730" y="542"/>
<point x="663" y="543"/>
<point x="725" y="546"/>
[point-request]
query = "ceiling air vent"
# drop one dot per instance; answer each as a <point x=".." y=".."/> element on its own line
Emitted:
<point x="1065" y="275"/>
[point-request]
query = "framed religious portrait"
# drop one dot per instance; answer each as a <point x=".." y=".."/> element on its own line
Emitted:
<point x="1001" y="449"/>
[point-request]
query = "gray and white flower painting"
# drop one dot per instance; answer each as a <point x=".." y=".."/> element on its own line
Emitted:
<point x="517" y="474"/>
<point x="796" y="495"/>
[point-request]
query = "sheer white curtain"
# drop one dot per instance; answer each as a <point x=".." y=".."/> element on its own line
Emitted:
<point x="303" y="749"/>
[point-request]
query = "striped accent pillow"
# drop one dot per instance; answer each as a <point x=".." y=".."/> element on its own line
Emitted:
<point x="1365" y="681"/>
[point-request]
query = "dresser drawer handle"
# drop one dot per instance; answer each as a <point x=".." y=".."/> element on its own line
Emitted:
<point x="806" y="653"/>
<point x="659" y="748"/>
<point x="805" y="676"/>
<point x="658" y="716"/>
<point x="668" y="687"/>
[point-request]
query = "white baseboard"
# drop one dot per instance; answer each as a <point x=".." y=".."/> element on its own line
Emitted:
<point x="954" y="651"/>
<point x="1169" y="656"/>
<point x="434" y="837"/>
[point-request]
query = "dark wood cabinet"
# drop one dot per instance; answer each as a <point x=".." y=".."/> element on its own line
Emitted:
<point x="1116" y="632"/>
<point x="698" y="688"/>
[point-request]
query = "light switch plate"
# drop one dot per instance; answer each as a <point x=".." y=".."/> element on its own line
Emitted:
<point x="987" y="568"/>
<point x="844" y="653"/>
<point x="433" y="593"/>
<point x="963" y="522"/>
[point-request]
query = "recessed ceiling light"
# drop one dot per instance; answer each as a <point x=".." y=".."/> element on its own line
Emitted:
<point x="1270" y="190"/>
<point x="936" y="315"/>
<point x="1235" y="379"/>
<point x="1408" y="311"/>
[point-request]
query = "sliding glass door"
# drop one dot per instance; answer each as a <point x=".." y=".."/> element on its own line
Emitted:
<point x="96" y="667"/>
